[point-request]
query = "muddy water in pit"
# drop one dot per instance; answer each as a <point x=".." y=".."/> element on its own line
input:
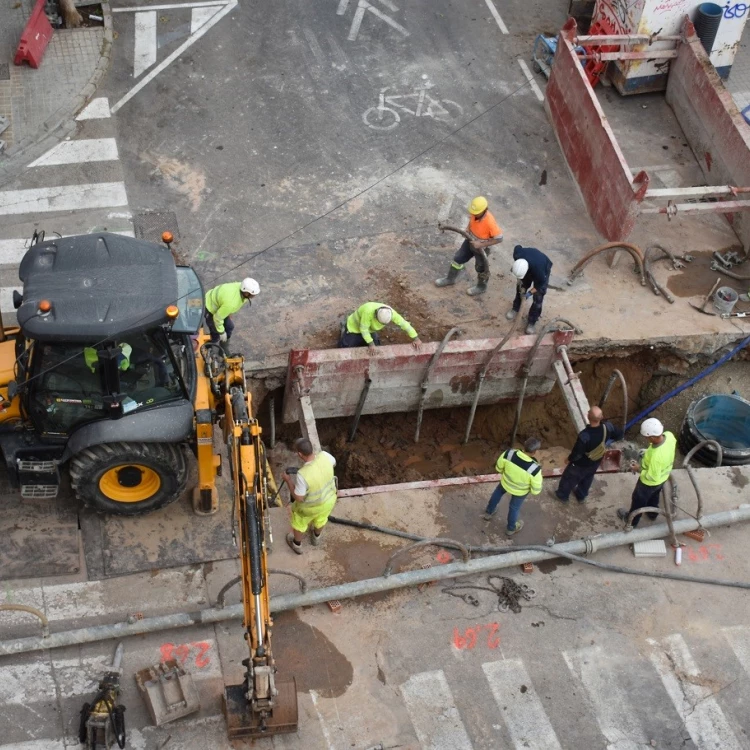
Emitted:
<point x="384" y="451"/>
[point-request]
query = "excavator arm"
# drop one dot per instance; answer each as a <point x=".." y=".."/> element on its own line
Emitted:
<point x="262" y="704"/>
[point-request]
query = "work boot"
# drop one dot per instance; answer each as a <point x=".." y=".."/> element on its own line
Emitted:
<point x="315" y="538"/>
<point x="510" y="532"/>
<point x="511" y="314"/>
<point x="530" y="328"/>
<point x="296" y="548"/>
<point x="487" y="516"/>
<point x="450" y="279"/>
<point x="481" y="287"/>
<point x="622" y="514"/>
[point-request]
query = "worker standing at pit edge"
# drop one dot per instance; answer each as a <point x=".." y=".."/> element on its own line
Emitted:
<point x="225" y="300"/>
<point x="587" y="454"/>
<point x="655" y="468"/>
<point x="520" y="474"/>
<point x="532" y="268"/>
<point x="483" y="226"/>
<point x="313" y="493"/>
<point x="363" y="324"/>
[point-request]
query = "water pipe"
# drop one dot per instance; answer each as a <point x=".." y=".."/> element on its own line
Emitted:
<point x="667" y="396"/>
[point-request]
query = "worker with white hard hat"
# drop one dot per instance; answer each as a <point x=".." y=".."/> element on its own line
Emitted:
<point x="363" y="324"/>
<point x="532" y="268"/>
<point x="655" y="468"/>
<point x="223" y="301"/>
<point x="484" y="228"/>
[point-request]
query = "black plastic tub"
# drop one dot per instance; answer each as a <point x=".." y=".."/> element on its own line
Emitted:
<point x="724" y="418"/>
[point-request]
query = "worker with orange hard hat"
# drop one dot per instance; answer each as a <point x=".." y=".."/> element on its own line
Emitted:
<point x="483" y="226"/>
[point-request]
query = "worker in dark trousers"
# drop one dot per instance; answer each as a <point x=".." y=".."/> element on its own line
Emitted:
<point x="655" y="468"/>
<point x="532" y="268"/>
<point x="483" y="226"/>
<point x="520" y="474"/>
<point x="586" y="456"/>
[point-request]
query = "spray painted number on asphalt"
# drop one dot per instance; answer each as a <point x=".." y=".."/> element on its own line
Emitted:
<point x="704" y="553"/>
<point x="471" y="636"/>
<point x="385" y="116"/>
<point x="197" y="652"/>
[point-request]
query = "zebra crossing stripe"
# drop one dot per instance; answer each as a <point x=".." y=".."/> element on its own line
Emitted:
<point x="698" y="709"/>
<point x="614" y="713"/>
<point x="63" y="198"/>
<point x="433" y="712"/>
<point x="6" y="298"/>
<point x="12" y="251"/>
<point x="739" y="640"/>
<point x="79" y="152"/>
<point x="521" y="709"/>
<point x="96" y="109"/>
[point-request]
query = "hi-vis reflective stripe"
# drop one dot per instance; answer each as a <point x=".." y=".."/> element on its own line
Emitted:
<point x="323" y="494"/>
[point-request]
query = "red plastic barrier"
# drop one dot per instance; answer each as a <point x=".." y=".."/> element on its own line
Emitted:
<point x="35" y="38"/>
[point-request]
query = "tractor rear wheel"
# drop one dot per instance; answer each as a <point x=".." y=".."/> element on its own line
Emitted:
<point x="129" y="479"/>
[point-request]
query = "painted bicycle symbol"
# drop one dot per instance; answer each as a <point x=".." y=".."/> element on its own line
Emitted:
<point x="418" y="103"/>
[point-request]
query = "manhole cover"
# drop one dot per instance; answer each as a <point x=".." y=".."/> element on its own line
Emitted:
<point x="4" y="72"/>
<point x="150" y="225"/>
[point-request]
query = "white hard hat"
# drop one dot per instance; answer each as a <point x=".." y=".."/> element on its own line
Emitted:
<point x="652" y="428"/>
<point x="520" y="268"/>
<point x="384" y="315"/>
<point x="250" y="286"/>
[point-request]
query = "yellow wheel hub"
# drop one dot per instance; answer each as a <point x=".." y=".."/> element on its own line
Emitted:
<point x="129" y="483"/>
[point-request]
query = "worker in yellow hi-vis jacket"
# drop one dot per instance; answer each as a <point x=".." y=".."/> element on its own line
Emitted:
<point x="363" y="324"/>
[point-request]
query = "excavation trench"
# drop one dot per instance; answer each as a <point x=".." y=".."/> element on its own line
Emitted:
<point x="384" y="451"/>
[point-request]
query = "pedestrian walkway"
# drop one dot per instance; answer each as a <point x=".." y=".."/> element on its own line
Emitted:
<point x="76" y="187"/>
<point x="678" y="697"/>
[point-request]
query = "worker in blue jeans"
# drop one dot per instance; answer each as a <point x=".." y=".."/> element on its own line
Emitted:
<point x="520" y="474"/>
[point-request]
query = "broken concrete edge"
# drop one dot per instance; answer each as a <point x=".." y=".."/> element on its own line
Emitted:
<point x="61" y="123"/>
<point x="286" y="602"/>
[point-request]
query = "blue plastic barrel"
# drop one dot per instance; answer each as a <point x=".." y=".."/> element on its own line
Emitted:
<point x="707" y="19"/>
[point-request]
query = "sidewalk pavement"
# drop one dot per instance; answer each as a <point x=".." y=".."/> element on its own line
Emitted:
<point x="41" y="103"/>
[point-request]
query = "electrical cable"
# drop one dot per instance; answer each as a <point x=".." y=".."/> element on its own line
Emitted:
<point x="304" y="226"/>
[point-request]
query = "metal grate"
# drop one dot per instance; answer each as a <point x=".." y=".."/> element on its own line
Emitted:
<point x="150" y="225"/>
<point x="45" y="466"/>
<point x="4" y="72"/>
<point x="39" y="490"/>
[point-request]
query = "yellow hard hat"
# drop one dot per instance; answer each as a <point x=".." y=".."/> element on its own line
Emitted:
<point x="478" y="205"/>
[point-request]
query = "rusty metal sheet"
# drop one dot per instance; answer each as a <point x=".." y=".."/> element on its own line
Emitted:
<point x="333" y="378"/>
<point x="39" y="537"/>
<point x="171" y="537"/>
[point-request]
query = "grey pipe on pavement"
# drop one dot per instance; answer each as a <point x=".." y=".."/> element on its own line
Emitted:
<point x="285" y="602"/>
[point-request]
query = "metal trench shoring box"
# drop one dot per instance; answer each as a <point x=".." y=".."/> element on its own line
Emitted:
<point x="333" y="379"/>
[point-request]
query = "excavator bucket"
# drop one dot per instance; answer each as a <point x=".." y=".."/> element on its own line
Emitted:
<point x="242" y="723"/>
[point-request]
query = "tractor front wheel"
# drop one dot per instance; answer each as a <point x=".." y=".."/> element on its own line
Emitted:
<point x="128" y="479"/>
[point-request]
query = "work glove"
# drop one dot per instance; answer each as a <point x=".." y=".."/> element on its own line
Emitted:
<point x="223" y="337"/>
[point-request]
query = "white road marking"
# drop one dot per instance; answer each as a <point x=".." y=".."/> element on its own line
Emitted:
<point x="530" y="78"/>
<point x="343" y="5"/>
<point x="12" y="251"/>
<point x="169" y="6"/>
<point x="698" y="709"/>
<point x="321" y="720"/>
<point x="69" y="742"/>
<point x="522" y="711"/>
<point x="314" y="46"/>
<point x="79" y="152"/>
<point x="359" y="14"/>
<point x="433" y="712"/>
<point x="63" y="198"/>
<point x="96" y="109"/>
<point x="230" y="6"/>
<point x="739" y="640"/>
<point x="200" y="15"/>
<point x="144" y="49"/>
<point x="24" y="684"/>
<point x="338" y="53"/>
<point x="388" y="4"/>
<point x="614" y="714"/>
<point x="496" y="16"/>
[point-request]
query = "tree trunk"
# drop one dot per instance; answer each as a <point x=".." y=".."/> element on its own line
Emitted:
<point x="71" y="16"/>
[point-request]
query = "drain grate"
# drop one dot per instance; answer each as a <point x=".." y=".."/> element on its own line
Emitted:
<point x="150" y="225"/>
<point x="4" y="72"/>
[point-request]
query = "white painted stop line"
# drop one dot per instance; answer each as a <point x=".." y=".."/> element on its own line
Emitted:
<point x="704" y="720"/>
<point x="614" y="713"/>
<point x="520" y="707"/>
<point x="433" y="712"/>
<point x="79" y="152"/>
<point x="63" y="198"/>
